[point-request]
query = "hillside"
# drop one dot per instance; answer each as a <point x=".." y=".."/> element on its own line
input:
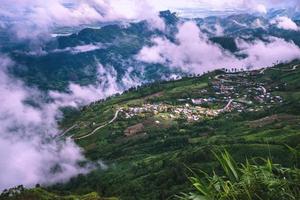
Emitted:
<point x="21" y="193"/>
<point x="149" y="135"/>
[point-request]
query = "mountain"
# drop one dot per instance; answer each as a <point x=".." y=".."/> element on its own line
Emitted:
<point x="246" y="26"/>
<point x="52" y="65"/>
<point x="149" y="135"/>
<point x="75" y="58"/>
<point x="292" y="13"/>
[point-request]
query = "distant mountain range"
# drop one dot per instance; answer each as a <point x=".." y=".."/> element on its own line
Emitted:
<point x="52" y="65"/>
<point x="292" y="13"/>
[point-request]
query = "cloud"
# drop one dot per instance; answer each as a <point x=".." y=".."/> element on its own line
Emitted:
<point x="28" y="153"/>
<point x="261" y="8"/>
<point x="106" y="86"/>
<point x="36" y="18"/>
<point x="258" y="24"/>
<point x="193" y="51"/>
<point x="285" y="23"/>
<point x="264" y="54"/>
<point x="80" y="48"/>
<point x="215" y="30"/>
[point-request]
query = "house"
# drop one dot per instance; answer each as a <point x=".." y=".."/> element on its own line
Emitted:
<point x="134" y="130"/>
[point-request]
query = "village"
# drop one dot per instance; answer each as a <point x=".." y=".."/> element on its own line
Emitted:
<point x="186" y="111"/>
<point x="226" y="93"/>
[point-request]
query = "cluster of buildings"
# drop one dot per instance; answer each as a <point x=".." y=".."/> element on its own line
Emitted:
<point x="186" y="111"/>
<point x="234" y="91"/>
<point x="245" y="92"/>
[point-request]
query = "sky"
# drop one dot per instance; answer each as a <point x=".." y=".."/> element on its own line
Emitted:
<point x="24" y="129"/>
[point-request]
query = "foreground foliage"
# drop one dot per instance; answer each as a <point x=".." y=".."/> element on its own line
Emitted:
<point x="266" y="181"/>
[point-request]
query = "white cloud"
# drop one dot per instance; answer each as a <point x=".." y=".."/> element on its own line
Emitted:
<point x="258" y="24"/>
<point x="79" y="49"/>
<point x="216" y="29"/>
<point x="285" y="23"/>
<point x="107" y="85"/>
<point x="261" y="8"/>
<point x="264" y="54"/>
<point x="194" y="52"/>
<point x="28" y="153"/>
<point x="219" y="31"/>
<point x="35" y="18"/>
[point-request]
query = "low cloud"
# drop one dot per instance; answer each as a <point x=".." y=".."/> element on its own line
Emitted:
<point x="106" y="86"/>
<point x="266" y="54"/>
<point x="193" y="51"/>
<point x="81" y="48"/>
<point x="28" y="152"/>
<point x="285" y="23"/>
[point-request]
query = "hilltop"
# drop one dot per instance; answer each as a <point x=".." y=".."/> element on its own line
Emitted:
<point x="148" y="135"/>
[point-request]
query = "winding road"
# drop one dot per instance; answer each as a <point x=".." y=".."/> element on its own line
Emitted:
<point x="263" y="70"/>
<point x="100" y="127"/>
<point x="228" y="105"/>
<point x="66" y="131"/>
<point x="295" y="67"/>
<point x="264" y="90"/>
<point x="287" y="70"/>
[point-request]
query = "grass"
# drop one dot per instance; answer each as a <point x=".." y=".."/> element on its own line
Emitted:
<point x="248" y="181"/>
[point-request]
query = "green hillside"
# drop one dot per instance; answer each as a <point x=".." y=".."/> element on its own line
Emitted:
<point x="20" y="193"/>
<point x="149" y="135"/>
